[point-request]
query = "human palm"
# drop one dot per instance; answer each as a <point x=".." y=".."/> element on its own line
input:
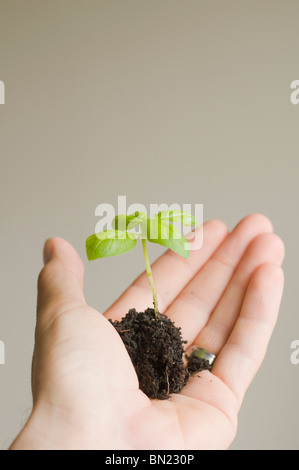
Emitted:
<point x="225" y="298"/>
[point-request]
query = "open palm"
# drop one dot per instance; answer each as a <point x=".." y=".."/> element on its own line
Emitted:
<point x="225" y="298"/>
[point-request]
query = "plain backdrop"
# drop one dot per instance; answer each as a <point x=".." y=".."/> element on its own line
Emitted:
<point x="163" y="101"/>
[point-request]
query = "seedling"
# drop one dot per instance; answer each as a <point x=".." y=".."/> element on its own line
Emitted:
<point x="156" y="348"/>
<point x="160" y="229"/>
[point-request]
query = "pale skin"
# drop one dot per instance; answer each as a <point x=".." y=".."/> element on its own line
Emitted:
<point x="226" y="299"/>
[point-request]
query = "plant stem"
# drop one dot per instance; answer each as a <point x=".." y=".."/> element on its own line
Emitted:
<point x="150" y="277"/>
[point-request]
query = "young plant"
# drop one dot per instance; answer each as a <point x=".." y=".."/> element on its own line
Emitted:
<point x="159" y="229"/>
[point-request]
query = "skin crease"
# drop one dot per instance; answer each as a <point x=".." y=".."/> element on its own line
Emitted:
<point x="225" y="297"/>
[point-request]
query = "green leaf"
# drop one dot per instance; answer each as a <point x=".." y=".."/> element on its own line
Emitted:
<point x="109" y="243"/>
<point x="129" y="222"/>
<point x="122" y="222"/>
<point x="184" y="218"/>
<point x="167" y="235"/>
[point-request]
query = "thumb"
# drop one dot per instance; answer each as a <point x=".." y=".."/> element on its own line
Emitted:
<point x="61" y="280"/>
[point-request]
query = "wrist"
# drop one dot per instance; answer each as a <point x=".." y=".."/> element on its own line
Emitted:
<point x="48" y="428"/>
<point x="52" y="428"/>
<point x="44" y="430"/>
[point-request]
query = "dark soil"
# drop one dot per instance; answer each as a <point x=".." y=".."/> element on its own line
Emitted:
<point x="156" y="349"/>
<point x="196" y="364"/>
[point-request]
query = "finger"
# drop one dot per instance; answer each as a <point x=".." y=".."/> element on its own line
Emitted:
<point x="194" y="305"/>
<point x="266" y="248"/>
<point x="245" y="349"/>
<point x="61" y="279"/>
<point x="171" y="273"/>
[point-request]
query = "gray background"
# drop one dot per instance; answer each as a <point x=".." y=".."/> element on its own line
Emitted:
<point x="162" y="101"/>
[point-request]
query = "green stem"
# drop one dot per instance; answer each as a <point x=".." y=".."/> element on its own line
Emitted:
<point x="150" y="277"/>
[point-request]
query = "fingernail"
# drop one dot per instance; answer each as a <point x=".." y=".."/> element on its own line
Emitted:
<point x="47" y="251"/>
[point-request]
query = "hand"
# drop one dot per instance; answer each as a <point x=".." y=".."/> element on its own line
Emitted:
<point x="225" y="297"/>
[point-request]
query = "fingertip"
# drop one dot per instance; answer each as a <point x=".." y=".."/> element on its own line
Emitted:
<point x="257" y="220"/>
<point x="269" y="273"/>
<point x="57" y="249"/>
<point x="47" y="253"/>
<point x="63" y="274"/>
<point x="217" y="227"/>
<point x="61" y="249"/>
<point x="267" y="246"/>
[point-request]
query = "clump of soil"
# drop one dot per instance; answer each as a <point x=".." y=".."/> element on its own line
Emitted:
<point x="196" y="364"/>
<point x="156" y="349"/>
